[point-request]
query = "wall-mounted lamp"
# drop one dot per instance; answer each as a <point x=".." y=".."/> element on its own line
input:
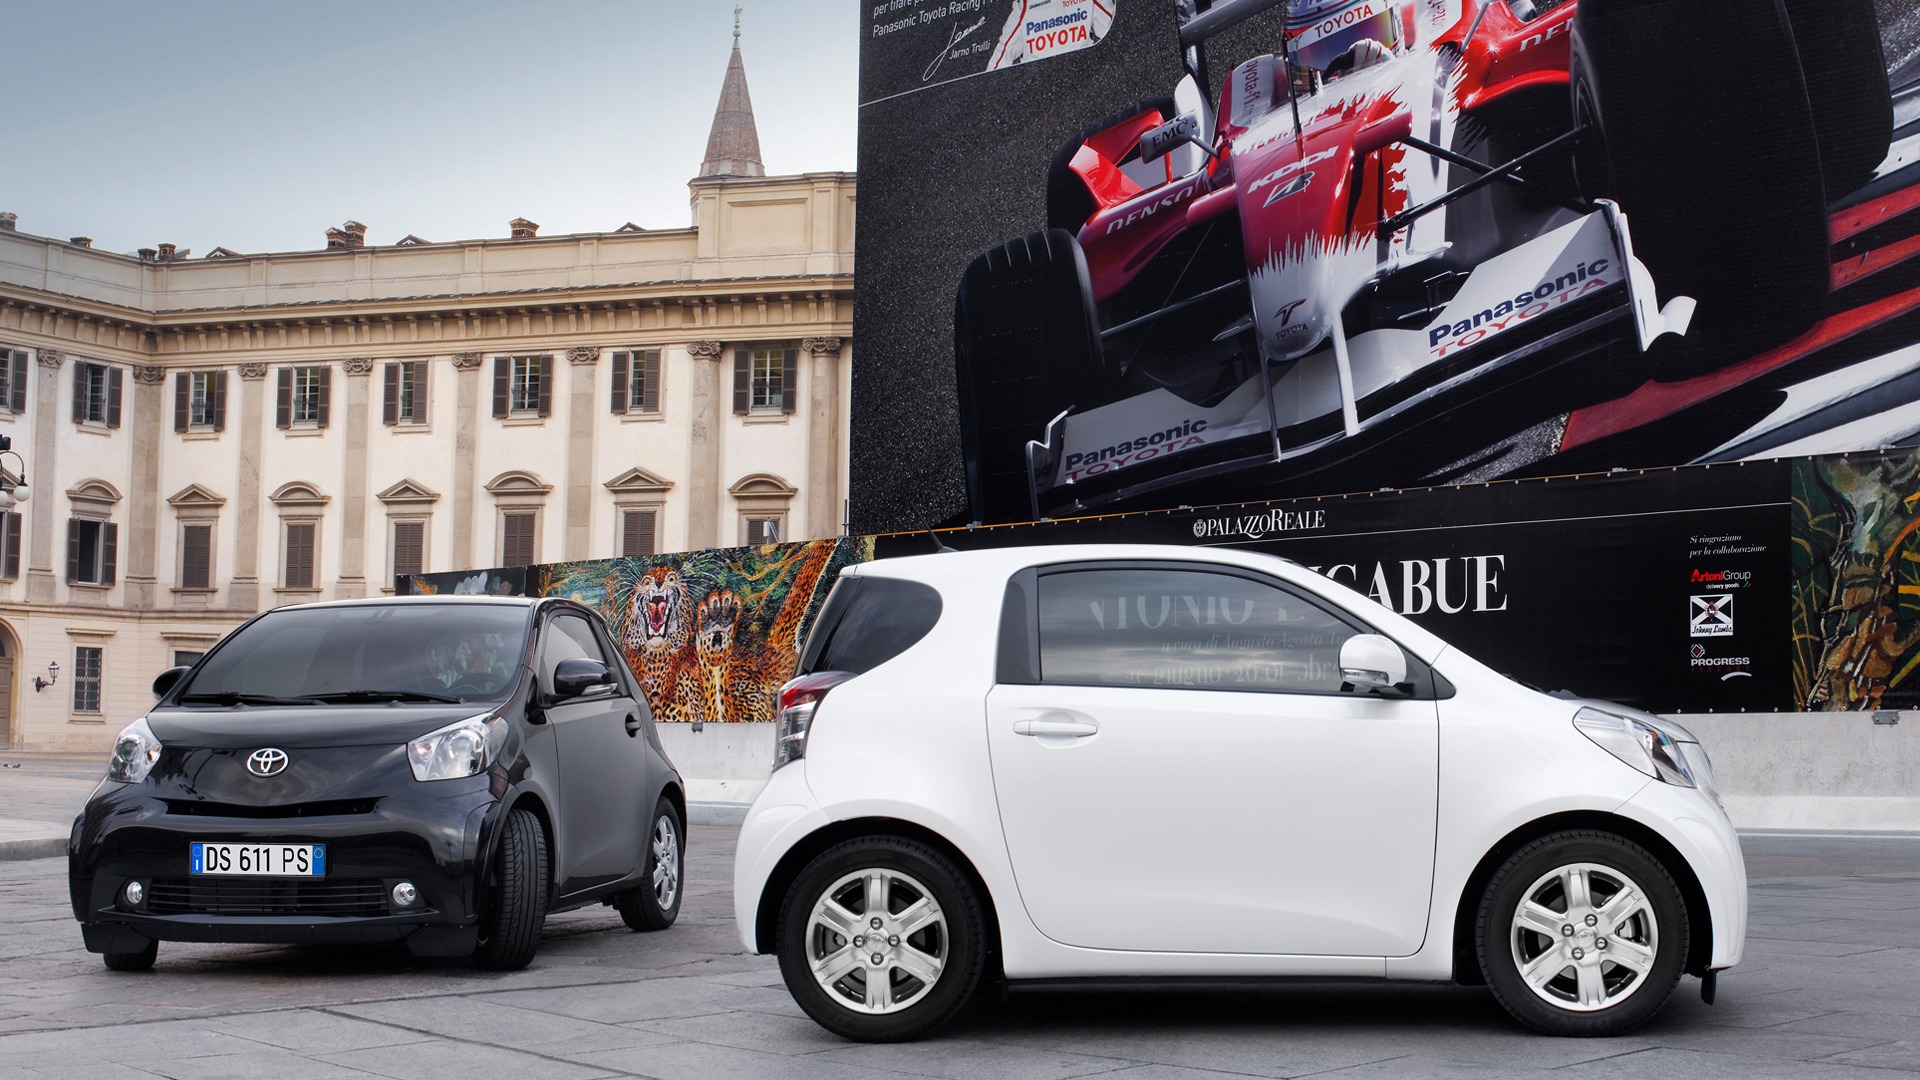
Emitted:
<point x="53" y="676"/>
<point x="12" y="490"/>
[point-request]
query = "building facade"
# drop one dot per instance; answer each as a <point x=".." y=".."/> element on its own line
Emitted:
<point x="206" y="439"/>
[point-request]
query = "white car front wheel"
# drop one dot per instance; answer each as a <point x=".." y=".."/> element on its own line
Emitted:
<point x="1582" y="933"/>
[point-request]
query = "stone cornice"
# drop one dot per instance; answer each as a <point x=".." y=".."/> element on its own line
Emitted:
<point x="726" y="310"/>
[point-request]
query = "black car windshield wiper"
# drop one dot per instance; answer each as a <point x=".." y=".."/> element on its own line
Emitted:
<point x="384" y="695"/>
<point x="235" y="697"/>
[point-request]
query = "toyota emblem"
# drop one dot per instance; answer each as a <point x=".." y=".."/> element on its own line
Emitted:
<point x="267" y="762"/>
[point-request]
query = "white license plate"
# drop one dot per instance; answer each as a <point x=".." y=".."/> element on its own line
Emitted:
<point x="257" y="860"/>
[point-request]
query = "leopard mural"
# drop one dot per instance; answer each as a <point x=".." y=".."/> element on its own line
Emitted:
<point x="659" y="642"/>
<point x="712" y="634"/>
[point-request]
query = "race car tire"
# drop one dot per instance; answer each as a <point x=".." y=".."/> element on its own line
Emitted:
<point x="1025" y="348"/>
<point x="1719" y="172"/>
<point x="1845" y="66"/>
<point x="1069" y="203"/>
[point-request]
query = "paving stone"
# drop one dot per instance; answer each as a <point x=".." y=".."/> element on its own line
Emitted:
<point x="446" y="1059"/>
<point x="1830" y="990"/>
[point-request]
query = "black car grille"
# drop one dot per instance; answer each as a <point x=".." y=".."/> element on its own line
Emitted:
<point x="238" y="896"/>
<point x="329" y="808"/>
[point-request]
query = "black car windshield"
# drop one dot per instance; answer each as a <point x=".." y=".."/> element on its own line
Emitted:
<point x="372" y="654"/>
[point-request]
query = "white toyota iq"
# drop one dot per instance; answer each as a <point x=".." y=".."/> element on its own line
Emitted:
<point x="1100" y="762"/>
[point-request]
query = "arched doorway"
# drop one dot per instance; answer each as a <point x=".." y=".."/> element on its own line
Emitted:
<point x="9" y="649"/>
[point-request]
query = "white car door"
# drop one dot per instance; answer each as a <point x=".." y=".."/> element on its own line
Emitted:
<point x="1178" y="771"/>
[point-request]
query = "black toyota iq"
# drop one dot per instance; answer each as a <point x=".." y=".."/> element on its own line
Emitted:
<point x="438" y="771"/>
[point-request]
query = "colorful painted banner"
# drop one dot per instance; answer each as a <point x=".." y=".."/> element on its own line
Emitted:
<point x="711" y="634"/>
<point x="1856" y="574"/>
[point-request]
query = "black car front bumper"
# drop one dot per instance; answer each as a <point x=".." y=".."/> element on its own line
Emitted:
<point x="434" y="835"/>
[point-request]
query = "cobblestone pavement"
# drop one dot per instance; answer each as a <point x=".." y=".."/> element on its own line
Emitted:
<point x="1830" y="990"/>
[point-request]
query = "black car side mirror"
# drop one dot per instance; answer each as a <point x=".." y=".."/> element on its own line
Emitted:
<point x="579" y="677"/>
<point x="165" y="681"/>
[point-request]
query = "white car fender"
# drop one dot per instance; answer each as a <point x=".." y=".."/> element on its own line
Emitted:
<point x="1546" y="767"/>
<point x="1707" y="840"/>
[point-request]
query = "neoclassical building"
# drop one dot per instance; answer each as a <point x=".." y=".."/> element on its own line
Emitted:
<point x="206" y="438"/>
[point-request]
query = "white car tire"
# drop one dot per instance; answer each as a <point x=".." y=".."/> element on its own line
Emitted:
<point x="882" y="939"/>
<point x="1582" y="933"/>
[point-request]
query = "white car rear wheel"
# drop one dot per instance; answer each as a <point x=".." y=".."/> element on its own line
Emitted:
<point x="882" y="939"/>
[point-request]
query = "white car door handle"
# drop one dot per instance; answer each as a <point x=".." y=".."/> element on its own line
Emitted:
<point x="1076" y="728"/>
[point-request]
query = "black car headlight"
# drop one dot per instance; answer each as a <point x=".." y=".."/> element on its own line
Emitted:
<point x="464" y="748"/>
<point x="134" y="753"/>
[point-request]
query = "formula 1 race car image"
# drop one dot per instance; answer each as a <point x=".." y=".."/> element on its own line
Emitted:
<point x="1407" y="206"/>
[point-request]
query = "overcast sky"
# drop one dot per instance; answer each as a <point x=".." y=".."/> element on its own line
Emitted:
<point x="257" y="124"/>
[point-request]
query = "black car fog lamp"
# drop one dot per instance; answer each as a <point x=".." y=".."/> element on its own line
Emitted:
<point x="135" y="893"/>
<point x="405" y="895"/>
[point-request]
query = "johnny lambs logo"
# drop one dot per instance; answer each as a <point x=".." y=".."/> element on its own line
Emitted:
<point x="1710" y="616"/>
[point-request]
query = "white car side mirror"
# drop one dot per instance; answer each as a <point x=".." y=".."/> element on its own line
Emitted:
<point x="1371" y="662"/>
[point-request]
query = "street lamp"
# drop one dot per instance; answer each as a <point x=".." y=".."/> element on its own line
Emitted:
<point x="53" y="676"/>
<point x="13" y="489"/>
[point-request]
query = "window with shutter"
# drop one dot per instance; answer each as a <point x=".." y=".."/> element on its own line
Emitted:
<point x="13" y="380"/>
<point x="516" y="538"/>
<point x="203" y="404"/>
<point x="770" y="374"/>
<point x="407" y="392"/>
<point x="637" y="533"/>
<point x="764" y="530"/>
<point x="9" y="545"/>
<point x="528" y="392"/>
<point x="305" y="395"/>
<point x="96" y="394"/>
<point x="299" y="554"/>
<point x="409" y="547"/>
<point x="196" y="556"/>
<point x="92" y="551"/>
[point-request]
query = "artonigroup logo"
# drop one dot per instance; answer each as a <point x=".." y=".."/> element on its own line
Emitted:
<point x="1710" y="616"/>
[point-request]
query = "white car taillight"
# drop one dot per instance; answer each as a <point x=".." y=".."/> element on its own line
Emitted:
<point x="798" y="700"/>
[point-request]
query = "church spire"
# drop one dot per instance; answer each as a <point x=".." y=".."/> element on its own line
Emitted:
<point x="733" y="146"/>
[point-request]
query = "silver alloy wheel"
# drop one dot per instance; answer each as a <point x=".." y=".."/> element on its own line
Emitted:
<point x="1584" y="937"/>
<point x="666" y="863"/>
<point x="876" y="941"/>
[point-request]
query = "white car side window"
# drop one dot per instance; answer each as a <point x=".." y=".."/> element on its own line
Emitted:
<point x="1181" y="629"/>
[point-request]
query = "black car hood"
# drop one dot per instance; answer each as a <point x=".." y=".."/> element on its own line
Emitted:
<point x="302" y="726"/>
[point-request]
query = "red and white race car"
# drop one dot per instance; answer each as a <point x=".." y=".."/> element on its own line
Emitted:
<point x="1406" y="205"/>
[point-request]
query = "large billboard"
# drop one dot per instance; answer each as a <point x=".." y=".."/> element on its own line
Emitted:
<point x="1120" y="255"/>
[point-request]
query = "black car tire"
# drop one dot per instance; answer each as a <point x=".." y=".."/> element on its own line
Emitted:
<point x="1718" y="170"/>
<point x="1026" y="347"/>
<point x="516" y="907"/>
<point x="644" y="907"/>
<point x="1653" y="934"/>
<point x="140" y="960"/>
<point x="1844" y="62"/>
<point x="912" y="871"/>
<point x="1069" y="203"/>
